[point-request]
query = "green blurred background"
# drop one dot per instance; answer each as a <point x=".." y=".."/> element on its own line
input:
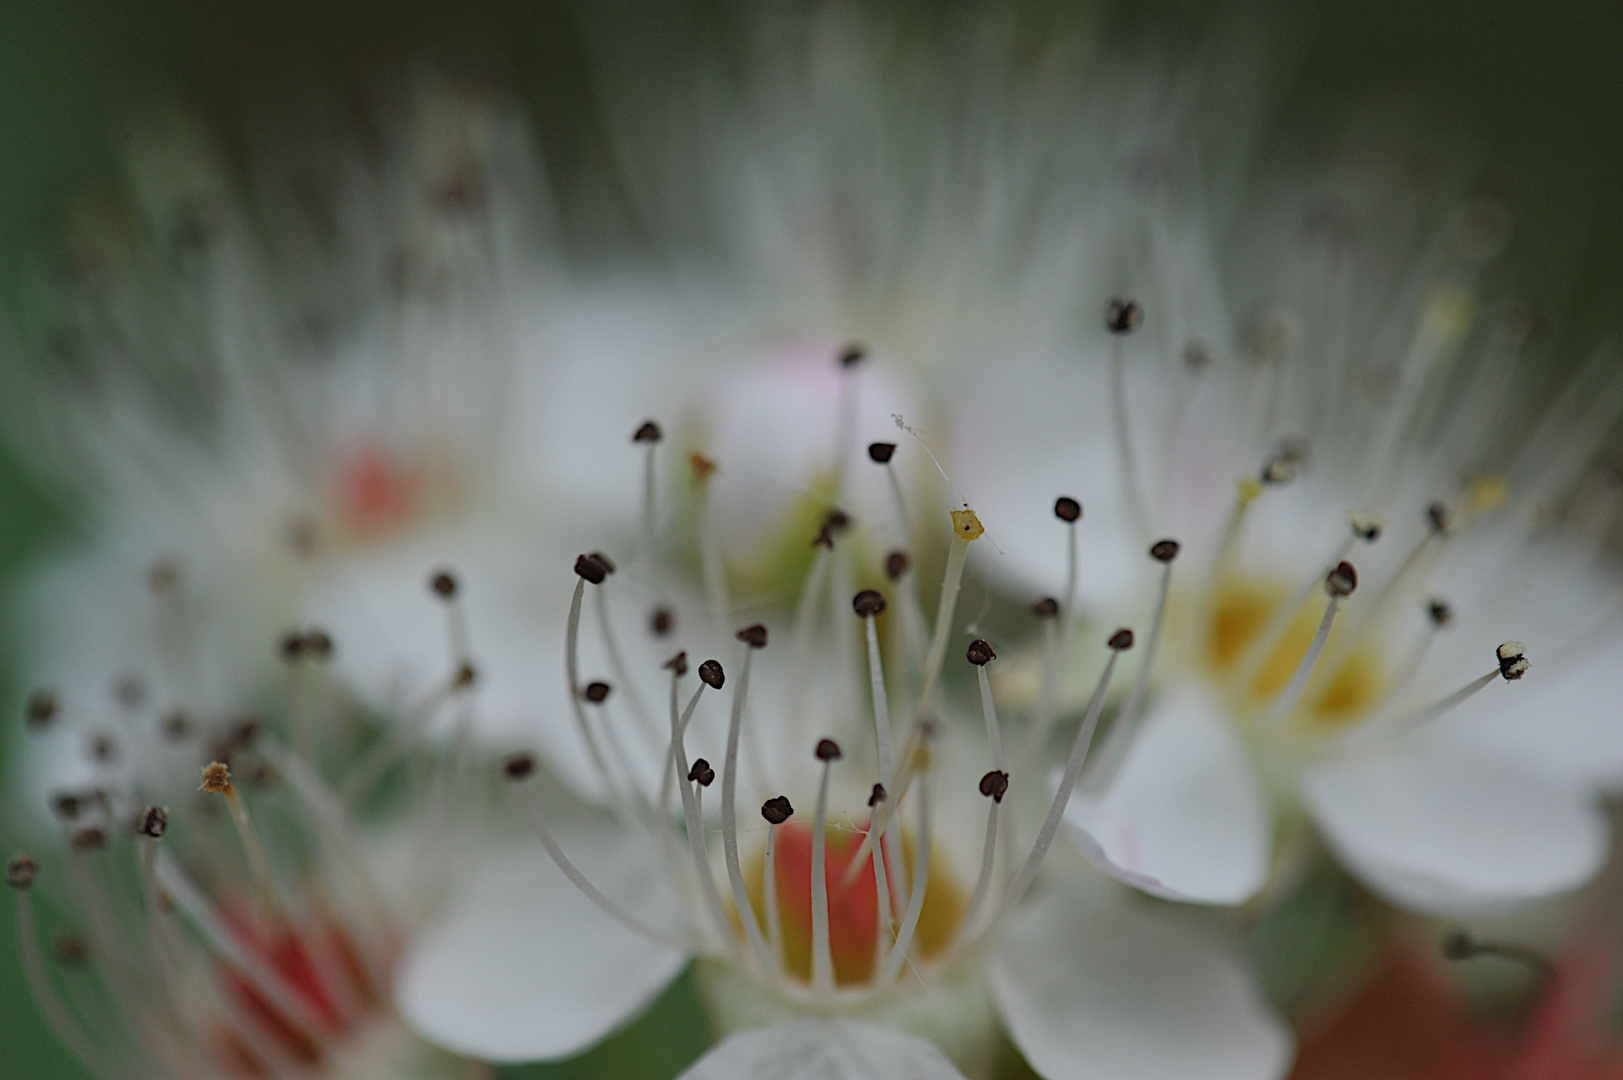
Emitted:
<point x="1537" y="85"/>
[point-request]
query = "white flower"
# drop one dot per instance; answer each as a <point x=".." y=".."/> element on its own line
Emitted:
<point x="837" y="721"/>
<point x="1363" y="409"/>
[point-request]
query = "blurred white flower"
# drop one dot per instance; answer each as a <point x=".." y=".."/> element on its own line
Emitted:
<point x="1379" y="499"/>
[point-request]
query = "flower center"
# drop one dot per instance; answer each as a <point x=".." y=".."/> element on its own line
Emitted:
<point x="1254" y="647"/>
<point x="853" y="901"/>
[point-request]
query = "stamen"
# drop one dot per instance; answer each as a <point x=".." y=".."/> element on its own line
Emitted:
<point x="877" y="821"/>
<point x="881" y="453"/>
<point x="915" y="902"/>
<point x="1513" y="664"/>
<point x="591" y="569"/>
<point x="1247" y="491"/>
<point x="993" y="785"/>
<point x="40" y="711"/>
<point x="966" y="529"/>
<point x="217" y="781"/>
<point x="729" y="810"/>
<point x="447" y="588"/>
<point x="649" y="436"/>
<point x="1338" y="584"/>
<point x="869" y="604"/>
<point x="715" y="570"/>
<point x="1119" y="642"/>
<point x="980" y="654"/>
<point x="690" y="802"/>
<point x="1121" y="735"/>
<point x="851" y="356"/>
<point x="622" y="671"/>
<point x="776" y="811"/>
<point x="1121" y="318"/>
<point x="1056" y="643"/>
<point x="828" y="752"/>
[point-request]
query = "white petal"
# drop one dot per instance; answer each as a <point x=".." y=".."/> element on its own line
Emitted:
<point x="522" y="967"/>
<point x="1186" y="817"/>
<point x="1093" y="987"/>
<point x="1443" y="828"/>
<point x="823" y="1050"/>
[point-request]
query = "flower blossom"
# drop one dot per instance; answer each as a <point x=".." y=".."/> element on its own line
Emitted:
<point x="866" y="885"/>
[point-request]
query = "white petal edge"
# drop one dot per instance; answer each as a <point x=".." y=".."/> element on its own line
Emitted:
<point x="1186" y="817"/>
<point x="1450" y="830"/>
<point x="1093" y="985"/>
<point x="522" y="967"/>
<point x="823" y="1050"/>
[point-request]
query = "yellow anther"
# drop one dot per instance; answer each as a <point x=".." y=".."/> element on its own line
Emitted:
<point x="966" y="526"/>
<point x="1485" y="494"/>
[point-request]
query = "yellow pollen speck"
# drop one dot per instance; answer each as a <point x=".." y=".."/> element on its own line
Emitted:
<point x="1249" y="489"/>
<point x="1485" y="494"/>
<point x="966" y="526"/>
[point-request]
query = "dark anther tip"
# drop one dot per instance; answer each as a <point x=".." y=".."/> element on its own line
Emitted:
<point x="711" y="675"/>
<point x="838" y="521"/>
<point x="154" y="822"/>
<point x="291" y="646"/>
<point x="980" y="653"/>
<point x="318" y="644"/>
<point x="1440" y="612"/>
<point x="777" y="810"/>
<point x="1441" y="517"/>
<point x="519" y="766"/>
<point x="877" y="796"/>
<point x="753" y="635"/>
<point x="1123" y="316"/>
<point x="897" y="563"/>
<point x="608" y="563"/>
<point x="1067" y="509"/>
<point x="466" y="676"/>
<point x="88" y="839"/>
<point x="852" y="353"/>
<point x="828" y="750"/>
<point x="701" y="773"/>
<point x="1342" y="580"/>
<point x="1046" y="608"/>
<point x="994" y="784"/>
<point x="40" y="710"/>
<point x="21" y="871"/>
<point x="1513" y="662"/>
<point x="1165" y="550"/>
<point x="678" y="664"/>
<point x="649" y="432"/>
<point x="880" y="453"/>
<point x="1121" y="640"/>
<point x="597" y="692"/>
<point x="662" y="620"/>
<point x="444" y="584"/>
<point x="824" y="538"/>
<point x="591" y="568"/>
<point x="868" y="602"/>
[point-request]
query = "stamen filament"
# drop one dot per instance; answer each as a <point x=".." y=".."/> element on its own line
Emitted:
<point x="259" y="866"/>
<point x="1124" y="436"/>
<point x="695" y="826"/>
<point x="622" y="672"/>
<point x="881" y="706"/>
<point x="572" y="674"/>
<point x="729" y="823"/>
<point x="1121" y="734"/>
<point x="952" y="581"/>
<point x="1056" y="646"/>
<point x="994" y="735"/>
<point x="822" y="951"/>
<point x="983" y="882"/>
<point x="1304" y="670"/>
<point x="915" y="903"/>
<point x="769" y="887"/>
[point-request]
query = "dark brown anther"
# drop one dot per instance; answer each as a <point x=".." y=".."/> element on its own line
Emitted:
<point x="518" y="766"/>
<point x="701" y="773"/>
<point x="176" y="726"/>
<point x="1046" y="608"/>
<point x="754" y="636"/>
<point x="1067" y="509"/>
<point x="1440" y="612"/>
<point x="466" y="676"/>
<point x="877" y="795"/>
<point x="291" y="646"/>
<point x="868" y="602"/>
<point x="216" y="778"/>
<point x="444" y="584"/>
<point x="242" y="733"/>
<point x="678" y="664"/>
<point x="980" y="653"/>
<point x="1277" y="470"/>
<point x="649" y="432"/>
<point x="591" y="568"/>
<point x="824" y="538"/>
<point x="103" y="749"/>
<point x="66" y="805"/>
<point x="777" y="810"/>
<point x="608" y="563"/>
<point x="852" y="353"/>
<point x="71" y="951"/>
<point x="1513" y="662"/>
<point x="829" y="750"/>
<point x="21" y="872"/>
<point x="994" y="784"/>
<point x="154" y="822"/>
<point x="1341" y="581"/>
<point x="880" y="453"/>
<point x="1441" y="518"/>
<point x="40" y="710"/>
<point x="701" y="467"/>
<point x="1123" y="316"/>
<point x="1366" y="526"/>
<point x="597" y="692"/>
<point x="897" y="563"/>
<point x="1121" y="640"/>
<point x="838" y="521"/>
<point x="318" y="644"/>
<point x="711" y="675"/>
<point x="88" y="839"/>
<point x="661" y="621"/>
<point x="1165" y="551"/>
<point x="163" y="575"/>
